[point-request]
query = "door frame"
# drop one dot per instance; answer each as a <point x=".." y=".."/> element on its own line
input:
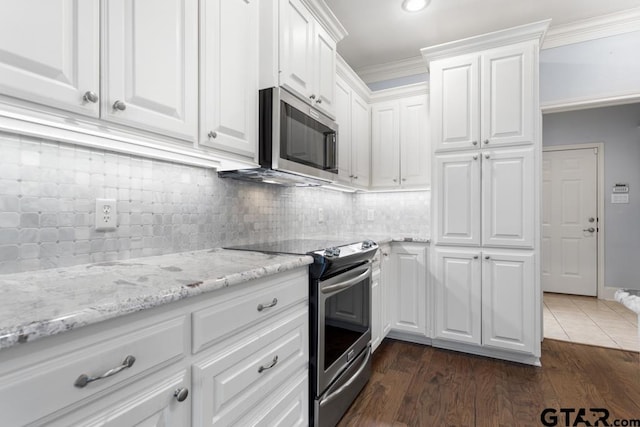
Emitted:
<point x="602" y="291"/>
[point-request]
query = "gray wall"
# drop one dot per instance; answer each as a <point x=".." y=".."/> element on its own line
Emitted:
<point x="619" y="129"/>
<point x="591" y="69"/>
<point x="47" y="207"/>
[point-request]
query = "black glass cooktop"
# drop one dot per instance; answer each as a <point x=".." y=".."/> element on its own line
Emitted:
<point x="294" y="246"/>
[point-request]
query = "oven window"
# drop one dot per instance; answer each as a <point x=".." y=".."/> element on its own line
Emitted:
<point x="307" y="141"/>
<point x="346" y="320"/>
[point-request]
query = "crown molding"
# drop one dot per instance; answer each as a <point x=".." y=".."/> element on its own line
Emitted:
<point x="392" y="70"/>
<point x="355" y="82"/>
<point x="584" y="103"/>
<point x="533" y="31"/>
<point x="325" y="15"/>
<point x="609" y="25"/>
<point x="400" y="92"/>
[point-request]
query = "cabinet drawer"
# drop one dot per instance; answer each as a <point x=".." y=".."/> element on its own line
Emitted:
<point x="229" y="315"/>
<point x="238" y="377"/>
<point x="50" y="385"/>
<point x="290" y="408"/>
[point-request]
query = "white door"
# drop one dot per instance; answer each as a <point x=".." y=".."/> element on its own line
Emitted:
<point x="50" y="52"/>
<point x="508" y="296"/>
<point x="385" y="151"/>
<point x="409" y="289"/>
<point x="360" y="141"/>
<point x="324" y="53"/>
<point x="415" y="161"/>
<point x="457" y="192"/>
<point x="457" y="275"/>
<point x="570" y="222"/>
<point x="229" y="78"/>
<point x="150" y="69"/>
<point x="343" y="118"/>
<point x="507" y="95"/>
<point x="508" y="197"/>
<point x="455" y="102"/>
<point x="296" y="47"/>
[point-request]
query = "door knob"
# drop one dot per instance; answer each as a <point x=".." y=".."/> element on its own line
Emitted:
<point x="590" y="229"/>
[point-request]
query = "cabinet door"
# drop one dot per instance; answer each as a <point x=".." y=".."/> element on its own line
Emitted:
<point x="296" y="47"/>
<point x="455" y="102"/>
<point x="415" y="160"/>
<point x="324" y="54"/>
<point x="385" y="293"/>
<point x="376" y="310"/>
<point x="229" y="75"/>
<point x="50" y="52"/>
<point x="456" y="199"/>
<point x="385" y="140"/>
<point x="508" y="197"/>
<point x="507" y="95"/>
<point x="150" y="68"/>
<point x="343" y="118"/>
<point x="360" y="141"/>
<point x="408" y="289"/>
<point x="457" y="289"/>
<point x="508" y="301"/>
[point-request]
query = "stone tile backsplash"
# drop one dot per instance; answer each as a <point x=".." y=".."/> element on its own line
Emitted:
<point x="47" y="207"/>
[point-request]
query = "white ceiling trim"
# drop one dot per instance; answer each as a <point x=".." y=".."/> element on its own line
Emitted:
<point x="392" y="70"/>
<point x="327" y="18"/>
<point x="593" y="28"/>
<point x="576" y="32"/>
<point x="590" y="102"/>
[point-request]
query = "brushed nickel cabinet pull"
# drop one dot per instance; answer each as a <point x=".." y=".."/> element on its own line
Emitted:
<point x="85" y="379"/>
<point x="181" y="394"/>
<point x="271" y="304"/>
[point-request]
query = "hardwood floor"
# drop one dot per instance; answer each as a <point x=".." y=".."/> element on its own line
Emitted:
<point x="415" y="385"/>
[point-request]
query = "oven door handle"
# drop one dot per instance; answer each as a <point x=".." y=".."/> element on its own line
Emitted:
<point x="346" y="284"/>
<point x="336" y="393"/>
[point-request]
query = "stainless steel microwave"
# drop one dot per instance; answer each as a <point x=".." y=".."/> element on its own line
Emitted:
<point x="295" y="137"/>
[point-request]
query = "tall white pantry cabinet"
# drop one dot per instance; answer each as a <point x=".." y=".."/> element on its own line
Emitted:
<point x="487" y="147"/>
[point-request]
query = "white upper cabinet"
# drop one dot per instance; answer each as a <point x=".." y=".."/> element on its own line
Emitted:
<point x="296" y="48"/>
<point x="305" y="60"/>
<point x="385" y="144"/>
<point x="354" y="124"/>
<point x="484" y="99"/>
<point x="400" y="148"/>
<point x="150" y="66"/>
<point x="229" y="75"/>
<point x="50" y="53"/>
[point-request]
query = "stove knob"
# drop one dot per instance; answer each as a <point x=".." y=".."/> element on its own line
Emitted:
<point x="329" y="252"/>
<point x="336" y="251"/>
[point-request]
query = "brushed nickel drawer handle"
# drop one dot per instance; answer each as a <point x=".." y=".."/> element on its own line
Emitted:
<point x="85" y="379"/>
<point x="273" y="363"/>
<point x="272" y="304"/>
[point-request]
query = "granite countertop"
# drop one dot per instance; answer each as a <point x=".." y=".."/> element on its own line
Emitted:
<point x="42" y="303"/>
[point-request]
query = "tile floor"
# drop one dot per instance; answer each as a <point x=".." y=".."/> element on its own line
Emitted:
<point x="588" y="320"/>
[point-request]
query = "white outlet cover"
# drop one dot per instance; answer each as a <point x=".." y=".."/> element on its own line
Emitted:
<point x="106" y="214"/>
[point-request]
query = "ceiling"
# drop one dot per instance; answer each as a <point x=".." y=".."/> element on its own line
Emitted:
<point x="381" y="32"/>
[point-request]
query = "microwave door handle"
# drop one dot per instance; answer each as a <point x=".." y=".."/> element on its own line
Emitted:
<point x="330" y="147"/>
<point x="346" y="284"/>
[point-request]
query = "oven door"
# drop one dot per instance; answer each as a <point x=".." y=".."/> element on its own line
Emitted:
<point x="344" y="322"/>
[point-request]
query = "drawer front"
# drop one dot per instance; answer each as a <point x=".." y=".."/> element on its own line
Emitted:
<point x="235" y="379"/>
<point x="290" y="408"/>
<point x="220" y="320"/>
<point x="51" y="384"/>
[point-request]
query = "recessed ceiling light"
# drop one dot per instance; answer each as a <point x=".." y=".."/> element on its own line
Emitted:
<point x="415" y="5"/>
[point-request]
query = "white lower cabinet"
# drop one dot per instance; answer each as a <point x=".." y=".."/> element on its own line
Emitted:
<point x="407" y="281"/>
<point x="236" y="377"/>
<point x="485" y="298"/>
<point x="192" y="362"/>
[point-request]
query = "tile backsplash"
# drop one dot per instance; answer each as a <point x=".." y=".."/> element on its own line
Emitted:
<point x="47" y="207"/>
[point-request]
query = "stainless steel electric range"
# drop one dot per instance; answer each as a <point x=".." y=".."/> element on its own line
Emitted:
<point x="340" y="321"/>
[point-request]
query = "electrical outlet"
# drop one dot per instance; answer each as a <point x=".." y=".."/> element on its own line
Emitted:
<point x="106" y="214"/>
<point x="320" y="215"/>
<point x="370" y="214"/>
